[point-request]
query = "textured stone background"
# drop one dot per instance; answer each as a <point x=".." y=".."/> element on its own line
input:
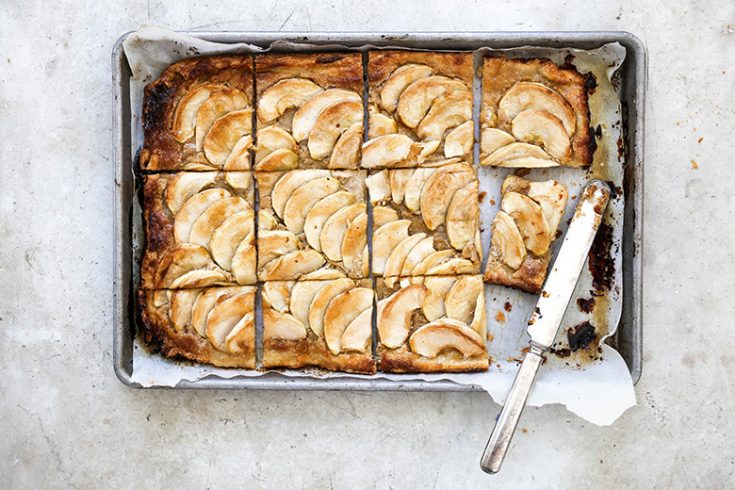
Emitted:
<point x="68" y="422"/>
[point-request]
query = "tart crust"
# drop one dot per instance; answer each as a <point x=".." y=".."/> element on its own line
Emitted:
<point x="184" y="341"/>
<point x="562" y="93"/>
<point x="229" y="77"/>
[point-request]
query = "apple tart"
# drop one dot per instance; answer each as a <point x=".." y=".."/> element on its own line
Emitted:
<point x="312" y="224"/>
<point x="326" y="324"/>
<point x="213" y="325"/>
<point x="425" y="221"/>
<point x="431" y="324"/>
<point x="198" y="115"/>
<point x="522" y="232"/>
<point x="534" y="114"/>
<point x="309" y="111"/>
<point x="200" y="230"/>
<point x="420" y="108"/>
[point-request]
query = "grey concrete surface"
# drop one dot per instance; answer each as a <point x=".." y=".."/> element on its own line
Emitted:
<point x="66" y="421"/>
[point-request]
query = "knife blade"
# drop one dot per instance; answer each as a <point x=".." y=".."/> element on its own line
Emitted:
<point x="544" y="323"/>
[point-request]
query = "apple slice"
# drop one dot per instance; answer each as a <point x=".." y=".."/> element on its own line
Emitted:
<point x="244" y="261"/>
<point x="341" y="311"/>
<point x="446" y="112"/>
<point x="520" y="155"/>
<point x="281" y="326"/>
<point x="455" y="266"/>
<point x="283" y="95"/>
<point x="385" y="240"/>
<point x="378" y="185"/>
<point x="216" y="214"/>
<point x="552" y="197"/>
<point x="220" y="102"/>
<point x="182" y="302"/>
<point x="438" y="191"/>
<point x="302" y="294"/>
<point x="178" y="260"/>
<point x="463" y="216"/>
<point x="182" y="186"/>
<point x="479" y="317"/>
<point x="266" y="221"/>
<point x="401" y="78"/>
<point x="524" y="96"/>
<point x="242" y="336"/>
<point x="204" y="303"/>
<point x="437" y="288"/>
<point x="280" y="159"/>
<point x="353" y="244"/>
<point x="239" y="157"/>
<point x="291" y="181"/>
<point x="396" y="259"/>
<point x="415" y="185"/>
<point x="390" y="150"/>
<point x="346" y="153"/>
<point x="415" y="101"/>
<point x="199" y="278"/>
<point x="292" y="265"/>
<point x="186" y="111"/>
<point x="330" y="124"/>
<point x="325" y="273"/>
<point x="492" y="139"/>
<point x="458" y="142"/>
<point x="334" y="230"/>
<point x="305" y="118"/>
<point x="321" y="300"/>
<point x="544" y="129"/>
<point x="359" y="333"/>
<point x="432" y="260"/>
<point x="304" y="198"/>
<point x="418" y="253"/>
<point x="461" y="300"/>
<point x="226" y="314"/>
<point x="193" y="208"/>
<point x="321" y="211"/>
<point x="529" y="218"/>
<point x="398" y="179"/>
<point x="394" y="320"/>
<point x="383" y="215"/>
<point x="272" y="138"/>
<point x="380" y="124"/>
<point x="507" y="241"/>
<point x="276" y="295"/>
<point x="228" y="236"/>
<point x="225" y="133"/>
<point x="272" y="244"/>
<point x="444" y="335"/>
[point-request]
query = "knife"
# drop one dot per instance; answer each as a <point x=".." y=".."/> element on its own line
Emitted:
<point x="547" y="316"/>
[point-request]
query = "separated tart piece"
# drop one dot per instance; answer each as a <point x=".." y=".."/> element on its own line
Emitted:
<point x="534" y="114"/>
<point x="420" y="108"/>
<point x="198" y="115"/>
<point x="429" y="324"/>
<point x="425" y="221"/>
<point x="213" y="325"/>
<point x="312" y="225"/>
<point x="309" y="111"/>
<point x="200" y="230"/>
<point x="522" y="232"/>
<point x="326" y="324"/>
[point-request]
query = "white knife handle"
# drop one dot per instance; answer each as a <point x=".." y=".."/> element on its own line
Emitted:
<point x="505" y="426"/>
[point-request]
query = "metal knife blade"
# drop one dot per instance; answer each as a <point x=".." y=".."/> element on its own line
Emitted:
<point x="547" y="316"/>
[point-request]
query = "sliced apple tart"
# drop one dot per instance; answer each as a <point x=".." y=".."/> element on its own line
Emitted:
<point x="522" y="233"/>
<point x="428" y="324"/>
<point x="213" y="325"/>
<point x="200" y="230"/>
<point x="420" y="108"/>
<point x="310" y="112"/>
<point x="425" y="221"/>
<point x="312" y="224"/>
<point x="534" y="114"/>
<point x="326" y="324"/>
<point x="198" y="115"/>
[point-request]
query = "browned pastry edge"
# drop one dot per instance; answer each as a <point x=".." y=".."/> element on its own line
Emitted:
<point x="328" y="70"/>
<point x="160" y="150"/>
<point x="158" y="331"/>
<point x="451" y="64"/>
<point x="298" y="354"/>
<point x="403" y="361"/>
<point x="529" y="277"/>
<point x="499" y="74"/>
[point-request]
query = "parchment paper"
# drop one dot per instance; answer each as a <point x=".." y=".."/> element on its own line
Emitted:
<point x="595" y="384"/>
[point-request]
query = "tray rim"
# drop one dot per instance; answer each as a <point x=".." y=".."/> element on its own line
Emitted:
<point x="632" y="247"/>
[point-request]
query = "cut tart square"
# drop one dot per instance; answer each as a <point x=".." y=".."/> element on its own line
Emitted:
<point x="425" y="221"/>
<point x="309" y="111"/>
<point x="431" y="324"/>
<point x="326" y="324"/>
<point x="200" y="230"/>
<point x="312" y="224"/>
<point x="522" y="232"/>
<point x="214" y="325"/>
<point x="420" y="108"/>
<point x="198" y="115"/>
<point x="534" y="114"/>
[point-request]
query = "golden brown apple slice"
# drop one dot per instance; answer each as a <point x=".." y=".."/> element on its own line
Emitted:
<point x="524" y="96"/>
<point x="346" y="153"/>
<point x="380" y="124"/>
<point x="242" y="336"/>
<point x="341" y="311"/>
<point x="529" y="218"/>
<point x="182" y="302"/>
<point x="446" y="112"/>
<point x="383" y="215"/>
<point x="325" y="273"/>
<point x="280" y="159"/>
<point x="463" y="216"/>
<point x="320" y="213"/>
<point x="180" y="259"/>
<point x="438" y="191"/>
<point x="437" y="288"/>
<point x="228" y="236"/>
<point x="432" y="260"/>
<point x="204" y="303"/>
<point x="334" y="230"/>
<point x="359" y="333"/>
<point x="394" y="320"/>
<point x="239" y="157"/>
<point x="225" y="315"/>
<point x="415" y="101"/>
<point x="385" y="239"/>
<point x="458" y="142"/>
<point x="274" y="243"/>
<point x="398" y="179"/>
<point x="520" y="155"/>
<point x="302" y="294"/>
<point x="244" y="261"/>
<point x="461" y="300"/>
<point x="305" y="118"/>
<point x="277" y="294"/>
<point x="284" y="95"/>
<point x="270" y="139"/>
<point x="289" y="182"/>
<point x="220" y="102"/>
<point x="281" y="326"/>
<point x="415" y="185"/>
<point x="378" y="185"/>
<point x="330" y="124"/>
<point x="292" y="265"/>
<point x="492" y="139"/>
<point x="183" y="186"/>
<point x="193" y="208"/>
<point x="266" y="221"/>
<point x="401" y="78"/>
<point x="507" y="241"/>
<point x="321" y="300"/>
<point x="454" y="266"/>
<point x="445" y="335"/>
<point x="225" y="132"/>
<point x="199" y="278"/>
<point x="552" y="197"/>
<point x="543" y="129"/>
<point x="353" y="244"/>
<point x="186" y="111"/>
<point x="479" y="318"/>
<point x="397" y="257"/>
<point x="390" y="150"/>
<point x="203" y="228"/>
<point x="304" y="198"/>
<point x="423" y="249"/>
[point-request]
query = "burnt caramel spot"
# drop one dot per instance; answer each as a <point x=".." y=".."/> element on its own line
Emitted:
<point x="580" y="336"/>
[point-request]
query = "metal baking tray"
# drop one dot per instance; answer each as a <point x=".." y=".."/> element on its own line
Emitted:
<point x="628" y="338"/>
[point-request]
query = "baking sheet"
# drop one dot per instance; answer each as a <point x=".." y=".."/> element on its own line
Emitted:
<point x="599" y="390"/>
